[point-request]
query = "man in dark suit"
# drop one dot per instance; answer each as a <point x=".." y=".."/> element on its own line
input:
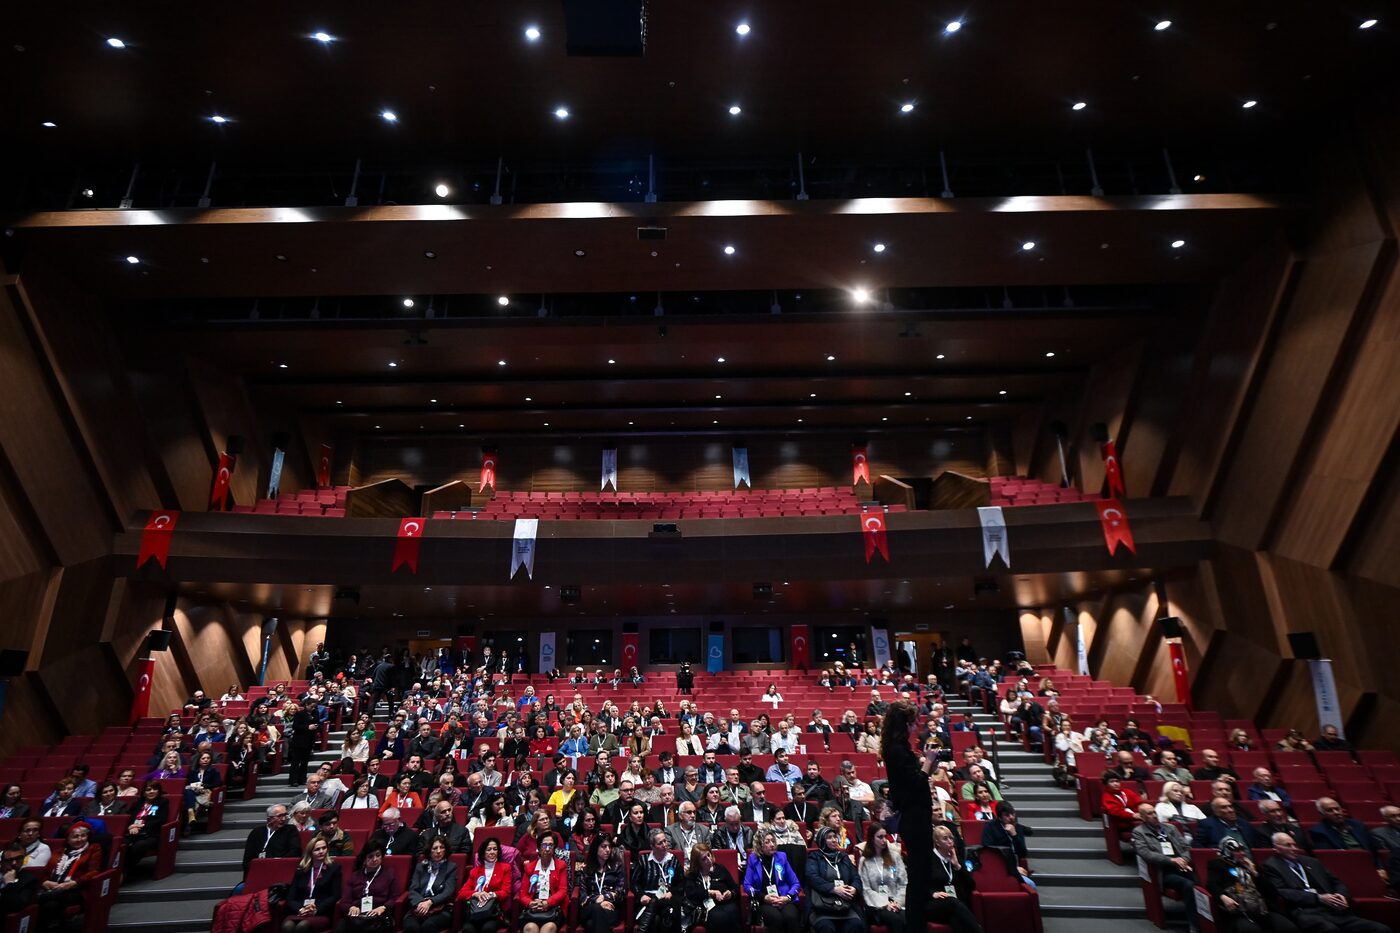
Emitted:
<point x="396" y="838"/>
<point x="758" y="809"/>
<point x="18" y="889"/>
<point x="732" y="834"/>
<point x="1277" y="820"/>
<point x="1224" y="822"/>
<point x="950" y="886"/>
<point x="438" y="821"/>
<point x="275" y="840"/>
<point x="1338" y="831"/>
<point x="1312" y="896"/>
<point x="377" y="780"/>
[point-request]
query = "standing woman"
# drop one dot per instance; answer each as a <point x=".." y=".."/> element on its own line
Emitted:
<point x="431" y="891"/>
<point x="602" y="887"/>
<point x="315" y="889"/>
<point x="711" y="895"/>
<point x="909" y="797"/>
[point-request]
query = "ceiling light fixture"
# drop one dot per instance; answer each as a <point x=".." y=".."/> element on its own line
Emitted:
<point x="500" y="362"/>
<point x="878" y="247"/>
<point x="1162" y="25"/>
<point x="719" y="359"/>
<point x="393" y="365"/>
<point x="429" y="254"/>
<point x="1367" y="23"/>
<point x="281" y="365"/>
<point x="1078" y="105"/>
<point x="729" y="251"/>
<point x="1028" y="245"/>
<point x="812" y="395"/>
<point x="50" y="124"/>
<point x="323" y="37"/>
<point x="532" y="33"/>
<point x="906" y="107"/>
<point x="1049" y="353"/>
<point x="907" y="394"/>
<point x="432" y="401"/>
<point x="133" y="260"/>
<point x="580" y="253"/>
<point x="952" y="26"/>
<point x="735" y="110"/>
<point x="502" y="301"/>
<point x="408" y="302"/>
<point x="1178" y="244"/>
<point x="860" y="295"/>
<point x="1198" y="178"/>
<point x="611" y="361"/>
<point x="939" y="356"/>
<point x="886" y="418"/>
<point x="719" y="396"/>
<point x="528" y="399"/>
<point x="561" y="112"/>
<point x="742" y="29"/>
<point x="116" y="43"/>
<point x="389" y="116"/>
<point x="830" y="358"/>
<point x="218" y="118"/>
<point x="442" y="190"/>
<point x="1250" y="104"/>
<point x="1001" y="392"/>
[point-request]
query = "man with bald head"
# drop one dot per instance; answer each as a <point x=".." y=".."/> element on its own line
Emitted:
<point x="1266" y="788"/>
<point x="1339" y="831"/>
<point x="1162" y="846"/>
<point x="1312" y="897"/>
<point x="1276" y="820"/>
<point x="1224" y="821"/>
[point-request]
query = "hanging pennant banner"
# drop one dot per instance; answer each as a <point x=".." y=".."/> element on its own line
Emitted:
<point x="860" y="465"/>
<point x="1115" y="525"/>
<point x="630" y="651"/>
<point x="873" y="526"/>
<point x="609" y="468"/>
<point x="1329" y="707"/>
<point x="406" y="546"/>
<point x="155" y="538"/>
<point x="522" y="552"/>
<point x="714" y="656"/>
<point x="274" y="482"/>
<point x="488" y="471"/>
<point x="741" y="467"/>
<point x="221" y="479"/>
<point x="994" y="535"/>
<point x="1113" y="470"/>
<point x="1183" y="683"/>
<point x="801" y="647"/>
<point x="323" y="467"/>
<point x="880" y="638"/>
<point x="141" y="699"/>
<point x="548" y="661"/>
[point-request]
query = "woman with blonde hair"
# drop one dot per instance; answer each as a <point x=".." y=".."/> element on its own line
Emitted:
<point x="315" y="890"/>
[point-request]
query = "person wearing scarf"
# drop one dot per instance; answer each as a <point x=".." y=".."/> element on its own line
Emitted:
<point x="63" y="889"/>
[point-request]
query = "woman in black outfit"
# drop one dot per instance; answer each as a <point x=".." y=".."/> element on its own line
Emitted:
<point x="711" y="895"/>
<point x="148" y="815"/>
<point x="315" y="890"/>
<point x="602" y="887"/>
<point x="910" y="798"/>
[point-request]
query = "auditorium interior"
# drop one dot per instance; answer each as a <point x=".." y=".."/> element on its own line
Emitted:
<point x="788" y="342"/>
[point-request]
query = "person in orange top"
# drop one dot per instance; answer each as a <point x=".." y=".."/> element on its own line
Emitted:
<point x="1120" y="803"/>
<point x="403" y="796"/>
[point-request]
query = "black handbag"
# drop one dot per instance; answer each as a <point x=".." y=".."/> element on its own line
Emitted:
<point x="477" y="911"/>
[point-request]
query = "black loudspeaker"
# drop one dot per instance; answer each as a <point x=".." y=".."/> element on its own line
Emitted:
<point x="234" y="445"/>
<point x="631" y="628"/>
<point x="1059" y="429"/>
<point x="158" y="640"/>
<point x="605" y="27"/>
<point x="12" y="661"/>
<point x="717" y="628"/>
<point x="1171" y="627"/>
<point x="280" y="440"/>
<point x="1099" y="432"/>
<point x="1304" y="645"/>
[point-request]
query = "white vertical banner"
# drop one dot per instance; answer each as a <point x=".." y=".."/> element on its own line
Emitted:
<point x="274" y="482"/>
<point x="609" y="468"/>
<point x="522" y="552"/>
<point x="548" y="662"/>
<point x="1080" y="652"/>
<point x="1329" y="705"/>
<point x="994" y="535"/>
<point x="741" y="467"/>
<point x="880" y="637"/>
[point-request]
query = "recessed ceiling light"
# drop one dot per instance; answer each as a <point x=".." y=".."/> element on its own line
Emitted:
<point x="579" y="252"/>
<point x="831" y="358"/>
<point x="502" y="301"/>
<point x="742" y="29"/>
<point x="939" y="356"/>
<point x="323" y="37"/>
<point x="1078" y="105"/>
<point x="1198" y="178"/>
<point x="719" y="396"/>
<point x="1250" y="104"/>
<point x="339" y="402"/>
<point x="546" y="424"/>
<point x="1001" y="392"/>
<point x="1049" y="353"/>
<point x="878" y="247"/>
<point x="729" y="251"/>
<point x="408" y="302"/>
<point x="812" y="395"/>
<point x="429" y="254"/>
<point x="116" y="43"/>
<point x="532" y="33"/>
<point x="281" y="365"/>
<point x="799" y="420"/>
<point x="389" y="116"/>
<point x="376" y="427"/>
<point x="631" y="422"/>
<point x="432" y="401"/>
<point x="1028" y="245"/>
<point x="500" y="362"/>
<point x="218" y="118"/>
<point x="907" y="394"/>
<point x="1163" y="24"/>
<point x="952" y="26"/>
<point x="716" y="421"/>
<point x="281" y="257"/>
<point x="861" y="295"/>
<point x="611" y="361"/>
<point x="886" y="418"/>
<point x="1367" y="23"/>
<point x="442" y="190"/>
<point x="1178" y="244"/>
<point x="528" y="399"/>
<point x="969" y="417"/>
<point x="906" y="108"/>
<point x="719" y="359"/>
<point x="133" y="260"/>
<point x="50" y="124"/>
<point x="393" y="365"/>
<point x="735" y="110"/>
<point x="561" y="112"/>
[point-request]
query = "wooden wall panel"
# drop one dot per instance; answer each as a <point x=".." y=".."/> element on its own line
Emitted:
<point x="215" y="656"/>
<point x="171" y="418"/>
<point x="1035" y="632"/>
<point x="1378" y="539"/>
<point x="227" y="410"/>
<point x="1107" y="398"/>
<point x="22" y="545"/>
<point x="79" y="610"/>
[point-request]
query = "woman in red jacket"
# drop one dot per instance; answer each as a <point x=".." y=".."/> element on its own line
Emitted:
<point x="485" y="896"/>
<point x="543" y="890"/>
<point x="1120" y="803"/>
<point x="68" y="876"/>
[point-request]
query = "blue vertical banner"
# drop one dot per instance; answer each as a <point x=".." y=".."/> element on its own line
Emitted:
<point x="714" y="658"/>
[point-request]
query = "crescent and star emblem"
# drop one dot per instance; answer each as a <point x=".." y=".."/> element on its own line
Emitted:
<point x="874" y="524"/>
<point x="1111" y="461"/>
<point x="223" y="473"/>
<point x="161" y="521"/>
<point x="145" y="681"/>
<point x="1113" y="512"/>
<point x="410" y="528"/>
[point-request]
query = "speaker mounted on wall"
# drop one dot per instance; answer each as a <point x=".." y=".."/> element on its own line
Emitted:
<point x="158" y="640"/>
<point x="1171" y="627"/>
<point x="1304" y="646"/>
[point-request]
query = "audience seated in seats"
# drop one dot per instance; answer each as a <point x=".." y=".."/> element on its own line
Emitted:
<point x="12" y="804"/>
<point x="148" y="815"/>
<point x="1331" y="741"/>
<point x="1224" y="822"/>
<point x="543" y="890"/>
<point x="36" y="852"/>
<point x="18" y="888"/>
<point x="1163" y="847"/>
<point x="314" y="891"/>
<point x="61" y="892"/>
<point x="711" y="897"/>
<point x="1387" y="837"/>
<point x="1212" y="768"/>
<point x="1175" y="807"/>
<point x="61" y="802"/>
<point x="1170" y="769"/>
<point x="1265" y="787"/>
<point x="328" y="827"/>
<point x="431" y="890"/>
<point x="1238" y="905"/>
<point x="982" y="807"/>
<point x="951" y="886"/>
<point x="276" y="839"/>
<point x="833" y="887"/>
<point x="106" y="803"/>
<point x="1238" y="741"/>
<point x="1312" y="897"/>
<point x="687" y="831"/>
<point x="1336" y="830"/>
<point x="1120" y="803"/>
<point x="1293" y="742"/>
<point x="773" y="886"/>
<point x="367" y="897"/>
<point x="1275" y="819"/>
<point x="884" y="880"/>
<point x="486" y="893"/>
<point x="200" y="783"/>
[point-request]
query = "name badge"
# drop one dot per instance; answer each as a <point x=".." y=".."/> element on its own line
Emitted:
<point x="1167" y="850"/>
<point x="366" y="904"/>
<point x="309" y="902"/>
<point x="949" y="889"/>
<point x="772" y="890"/>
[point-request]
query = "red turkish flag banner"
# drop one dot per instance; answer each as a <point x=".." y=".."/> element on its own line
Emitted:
<point x="801" y="647"/>
<point x="630" y="651"/>
<point x="219" y="496"/>
<point x="323" y="467"/>
<point x="141" y="699"/>
<point x="873" y="527"/>
<point x="488" y="472"/>
<point x="1183" y="683"/>
<point x="155" y="538"/>
<point x="1113" y="470"/>
<point x="406" y="546"/>
<point x="1115" y="525"/>
<point x="860" y="465"/>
